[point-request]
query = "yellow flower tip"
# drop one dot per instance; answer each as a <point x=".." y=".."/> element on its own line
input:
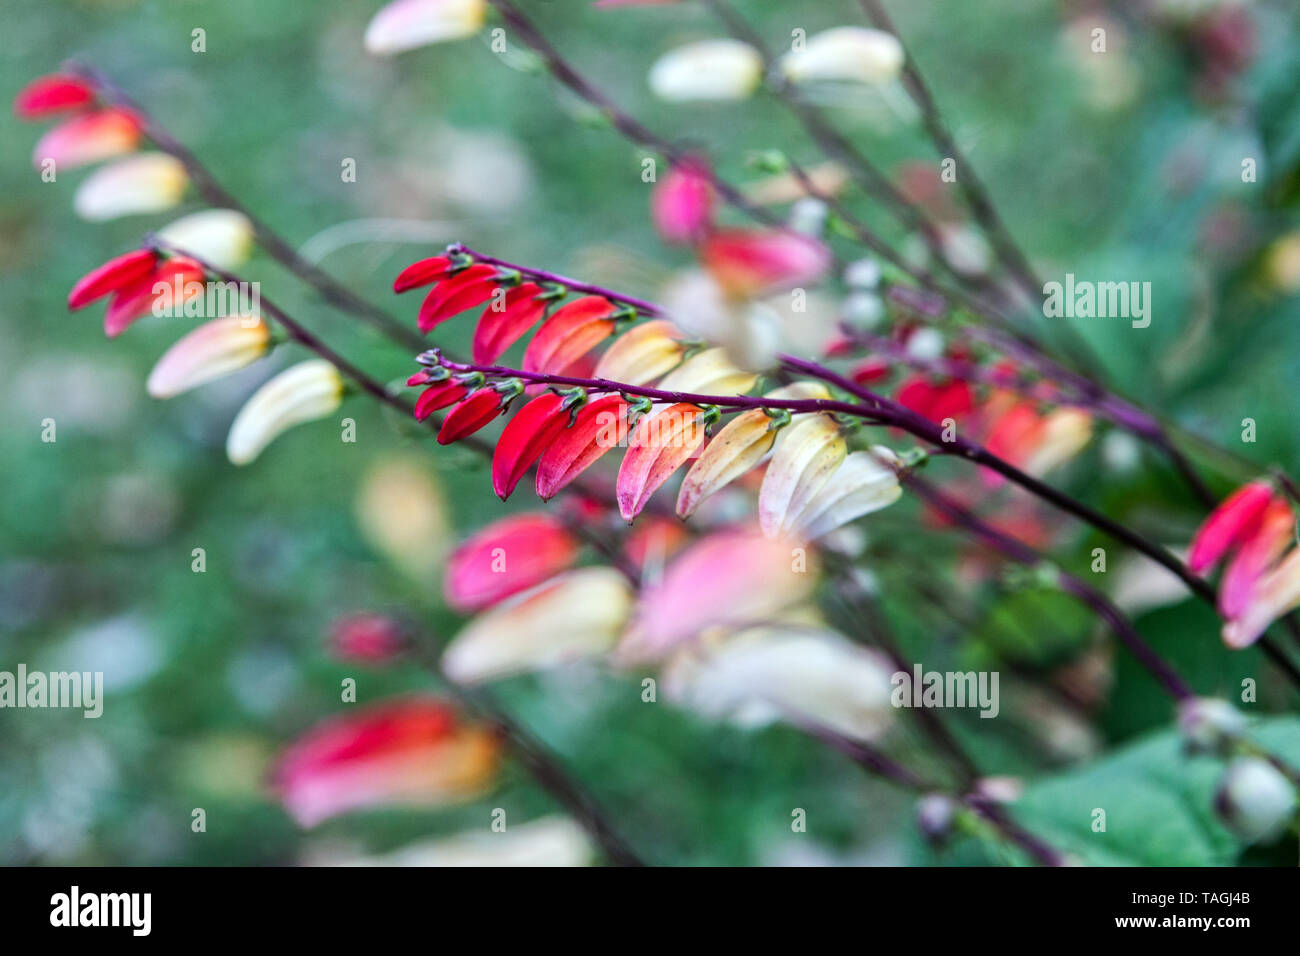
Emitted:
<point x="642" y="354"/>
<point x="846" y="54"/>
<point x="707" y="70"/>
<point x="303" y="393"/>
<point x="741" y="445"/>
<point x="221" y="237"/>
<point x="212" y="350"/>
<point x="710" y="372"/>
<point x="408" y="24"/>
<point x="148" y="182"/>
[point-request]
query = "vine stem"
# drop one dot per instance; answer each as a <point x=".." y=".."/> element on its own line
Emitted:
<point x="874" y="408"/>
<point x="218" y="196"/>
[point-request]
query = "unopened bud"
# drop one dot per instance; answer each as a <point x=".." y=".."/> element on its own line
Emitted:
<point x="935" y="813"/>
<point x="1254" y="799"/>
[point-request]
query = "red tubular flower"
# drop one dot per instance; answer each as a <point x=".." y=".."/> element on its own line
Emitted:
<point x="422" y="273"/>
<point x="48" y="95"/>
<point x="681" y="205"/>
<point x="508" y="556"/>
<point x="598" y="427"/>
<point x="1228" y="525"/>
<point x="466" y="289"/>
<point x="871" y="371"/>
<point x="413" y="752"/>
<point x="1016" y="433"/>
<point x="112" y="275"/>
<point x="439" y="395"/>
<point x="498" y="329"/>
<point x="569" y="334"/>
<point x="531" y="431"/>
<point x="138" y="298"/>
<point x="749" y="262"/>
<point x="367" y="638"/>
<point x="470" y="415"/>
<point x="936" y="401"/>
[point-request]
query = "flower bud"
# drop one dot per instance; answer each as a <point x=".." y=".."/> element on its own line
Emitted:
<point x="1254" y="798"/>
<point x="846" y="54"/>
<point x="707" y="70"/>
<point x="303" y="393"/>
<point x="149" y="182"/>
<point x="221" y="237"/>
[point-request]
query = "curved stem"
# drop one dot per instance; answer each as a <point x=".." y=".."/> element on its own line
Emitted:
<point x="276" y="246"/>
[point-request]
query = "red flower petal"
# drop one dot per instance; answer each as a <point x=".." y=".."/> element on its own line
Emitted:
<point x="470" y="415"/>
<point x="506" y="557"/>
<point x="422" y="273"/>
<point x="52" y="94"/>
<point x="498" y="329"/>
<point x="440" y="395"/>
<point x="936" y="401"/>
<point x="598" y="427"/>
<point x="661" y="444"/>
<point x="1228" y="525"/>
<point x="137" y="299"/>
<point x="464" y="290"/>
<point x="111" y="276"/>
<point x="569" y="334"/>
<point x="525" y="437"/>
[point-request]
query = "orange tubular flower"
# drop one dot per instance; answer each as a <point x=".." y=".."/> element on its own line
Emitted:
<point x="498" y="329"/>
<point x="137" y="299"/>
<point x="525" y="437"/>
<point x="569" y="334"/>
<point x="470" y="415"/>
<point x="508" y="556"/>
<point x="470" y="287"/>
<point x="663" y="441"/>
<point x="598" y="427"/>
<point x="414" y="752"/>
<point x="50" y="95"/>
<point x="89" y="138"/>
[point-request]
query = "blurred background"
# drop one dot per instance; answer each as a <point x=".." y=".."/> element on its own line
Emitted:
<point x="1123" y="165"/>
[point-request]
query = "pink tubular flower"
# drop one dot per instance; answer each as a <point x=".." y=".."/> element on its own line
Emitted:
<point x="1273" y="530"/>
<point x="500" y="328"/>
<point x="412" y="752"/>
<point x="569" y="334"/>
<point x="531" y="431"/>
<point x="663" y="441"/>
<point x="367" y="638"/>
<point x="598" y="427"/>
<point x="752" y="262"/>
<point x="89" y="138"/>
<point x="470" y="415"/>
<point x="682" y="204"/>
<point x="936" y="401"/>
<point x="48" y="95"/>
<point x="508" y="556"/>
<point x="729" y="578"/>
<point x="1228" y="525"/>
